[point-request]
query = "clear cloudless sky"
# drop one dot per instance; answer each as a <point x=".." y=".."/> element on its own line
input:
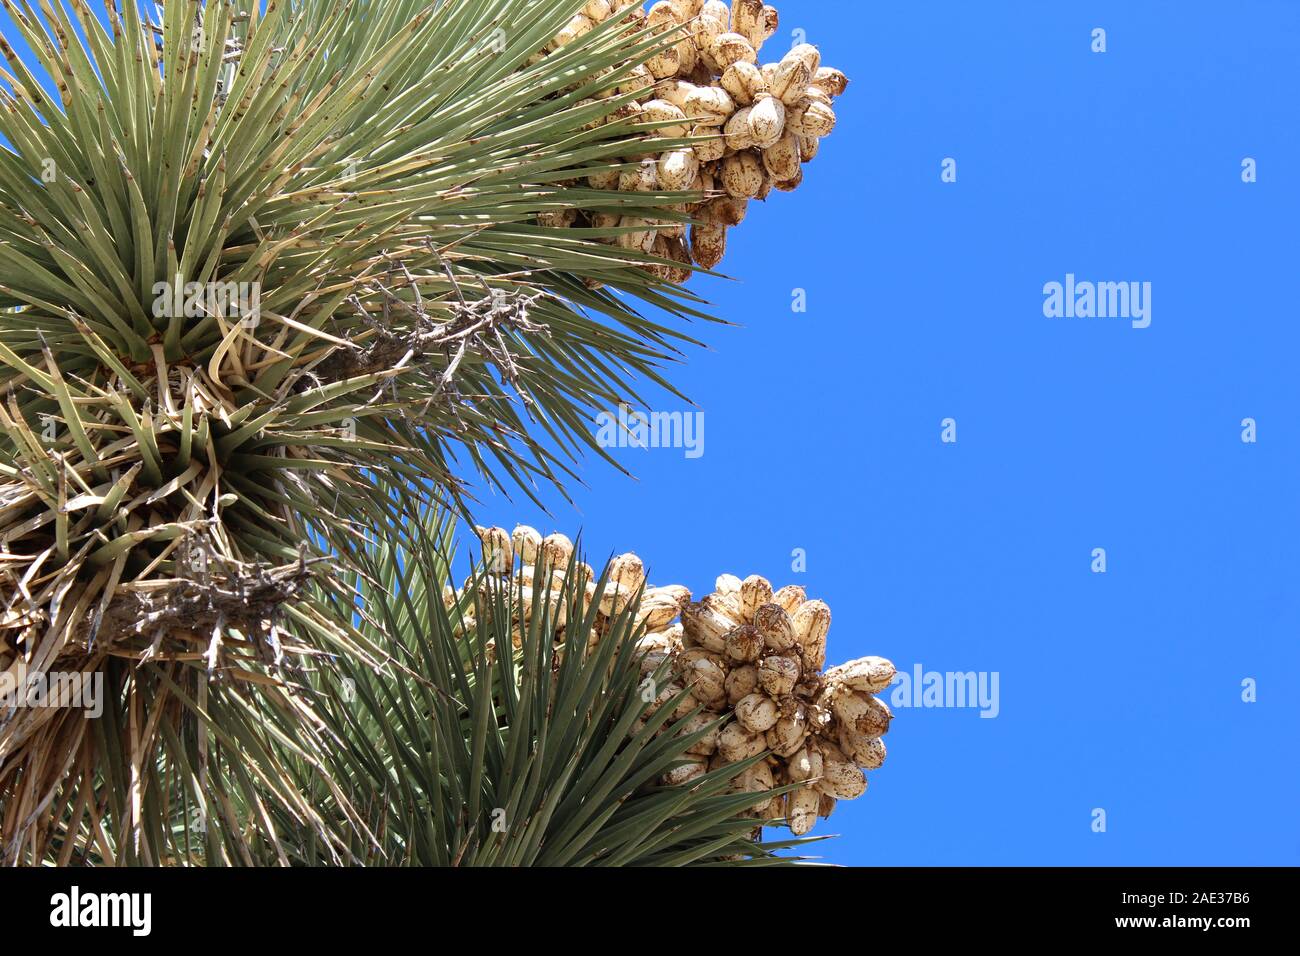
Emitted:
<point x="1119" y="691"/>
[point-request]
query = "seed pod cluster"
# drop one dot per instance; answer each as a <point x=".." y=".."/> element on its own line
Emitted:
<point x="749" y="654"/>
<point x="755" y="124"/>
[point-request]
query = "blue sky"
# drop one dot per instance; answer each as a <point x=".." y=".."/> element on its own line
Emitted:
<point x="1120" y="691"/>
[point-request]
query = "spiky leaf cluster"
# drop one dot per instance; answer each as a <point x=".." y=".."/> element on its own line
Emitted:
<point x="258" y="268"/>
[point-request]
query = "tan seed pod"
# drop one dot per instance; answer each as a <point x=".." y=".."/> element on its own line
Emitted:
<point x="674" y="92"/>
<point x="579" y="26"/>
<point x="665" y="64"/>
<point x="805" y="763"/>
<point x="685" y="773"/>
<point x="708" y="244"/>
<point x="678" y="169"/>
<point x="684" y="663"/>
<point x="744" y="644"/>
<point x="561" y="219"/>
<point x="812" y="621"/>
<point x="709" y="105"/>
<point x="817" y="120"/>
<point x="636" y="19"/>
<point x="556" y="550"/>
<point x="870" y="675"/>
<point x="741" y="682"/>
<point x="660" y="270"/>
<point x="708" y="27"/>
<point x="742" y="175"/>
<point x="743" y="81"/>
<point x="728" y="602"/>
<point x="735" y="743"/>
<point x="787" y="736"/>
<point x="867" y="752"/>
<point x="767" y="188"/>
<point x="790" y="82"/>
<point x="801" y="809"/>
<point x="746" y="15"/>
<point x="679" y="253"/>
<point x="716" y="9"/>
<point x="781" y="160"/>
<point x="826" y="806"/>
<point x="665" y="696"/>
<point x="776" y="627"/>
<point x="809" y="146"/>
<point x="726" y="584"/>
<point x="707" y="681"/>
<point x="662" y="14"/>
<point x="725" y="211"/>
<point x="861" y="713"/>
<point x="660" y="606"/>
<point x="808" y="55"/>
<point x="498" y="551"/>
<point x="598" y="11"/>
<point x="830" y="81"/>
<point x="651" y="657"/>
<point x="755" y="591"/>
<point x="737" y="132"/>
<point x="640" y="234"/>
<point x="688" y="56"/>
<point x="767" y="26"/>
<point x="637" y="80"/>
<point x="791" y="184"/>
<point x="790" y="597"/>
<point x="769" y="73"/>
<point x="708" y="744"/>
<point x="628" y="114"/>
<point x="606" y="220"/>
<point x="641" y="178"/>
<point x="662" y="111"/>
<point x="757" y="712"/>
<point x="755" y="779"/>
<point x="684" y="10"/>
<point x="814" y="95"/>
<point x="536" y="601"/>
<point x="773" y="810"/>
<point x="841" y="779"/>
<point x="603" y="179"/>
<point x="626" y="577"/>
<point x="766" y="121"/>
<point x="712" y="149"/>
<point x="778" y="675"/>
<point x="813" y="654"/>
<point x="707" y="623"/>
<point x="729" y="48"/>
<point x="667" y="638"/>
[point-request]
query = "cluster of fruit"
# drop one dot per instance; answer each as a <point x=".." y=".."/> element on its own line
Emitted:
<point x="754" y="124"/>
<point x="750" y="658"/>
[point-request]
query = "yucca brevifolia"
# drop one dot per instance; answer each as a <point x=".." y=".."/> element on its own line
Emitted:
<point x="364" y="182"/>
<point x="264" y="272"/>
<point x="463" y="753"/>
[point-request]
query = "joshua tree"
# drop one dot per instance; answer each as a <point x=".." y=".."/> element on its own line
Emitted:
<point x="268" y="272"/>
